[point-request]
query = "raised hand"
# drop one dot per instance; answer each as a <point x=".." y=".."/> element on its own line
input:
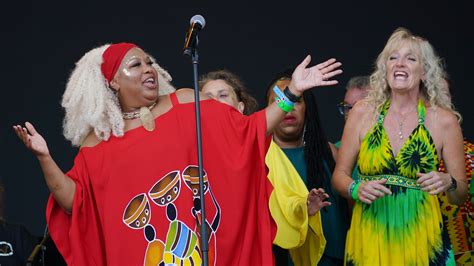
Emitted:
<point x="317" y="200"/>
<point x="369" y="191"/>
<point x="32" y="139"/>
<point x="319" y="75"/>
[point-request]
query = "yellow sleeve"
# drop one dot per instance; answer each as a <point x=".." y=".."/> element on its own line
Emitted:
<point x="303" y="236"/>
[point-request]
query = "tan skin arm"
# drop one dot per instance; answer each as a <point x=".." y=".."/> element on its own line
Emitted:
<point x="348" y="151"/>
<point x="347" y="155"/>
<point x="335" y="150"/>
<point x="61" y="186"/>
<point x="453" y="155"/>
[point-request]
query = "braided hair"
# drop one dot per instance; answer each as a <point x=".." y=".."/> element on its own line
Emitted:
<point x="317" y="153"/>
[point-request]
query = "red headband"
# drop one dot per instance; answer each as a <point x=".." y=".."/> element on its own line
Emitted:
<point x="112" y="57"/>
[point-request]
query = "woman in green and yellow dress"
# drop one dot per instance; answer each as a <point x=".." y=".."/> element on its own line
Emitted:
<point x="398" y="134"/>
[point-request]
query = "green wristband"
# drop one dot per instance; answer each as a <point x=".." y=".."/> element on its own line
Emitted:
<point x="282" y="104"/>
<point x="354" y="192"/>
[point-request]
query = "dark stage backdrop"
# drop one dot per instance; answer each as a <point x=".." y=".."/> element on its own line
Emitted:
<point x="44" y="40"/>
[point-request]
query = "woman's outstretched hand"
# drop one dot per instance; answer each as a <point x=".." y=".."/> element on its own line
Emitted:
<point x="32" y="139"/>
<point x="61" y="186"/>
<point x="319" y="75"/>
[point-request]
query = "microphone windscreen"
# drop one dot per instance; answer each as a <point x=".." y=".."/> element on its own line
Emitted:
<point x="198" y="19"/>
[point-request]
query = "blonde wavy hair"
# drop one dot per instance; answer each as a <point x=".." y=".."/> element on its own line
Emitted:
<point x="91" y="105"/>
<point x="433" y="87"/>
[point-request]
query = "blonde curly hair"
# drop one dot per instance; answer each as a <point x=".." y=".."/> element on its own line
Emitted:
<point x="91" y="105"/>
<point x="433" y="87"/>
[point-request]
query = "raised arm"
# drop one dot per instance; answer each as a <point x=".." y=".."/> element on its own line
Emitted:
<point x="304" y="78"/>
<point x="61" y="186"/>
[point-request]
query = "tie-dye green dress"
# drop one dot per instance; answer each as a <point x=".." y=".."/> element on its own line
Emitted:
<point x="404" y="228"/>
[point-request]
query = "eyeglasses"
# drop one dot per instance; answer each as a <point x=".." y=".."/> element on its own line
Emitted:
<point x="343" y="108"/>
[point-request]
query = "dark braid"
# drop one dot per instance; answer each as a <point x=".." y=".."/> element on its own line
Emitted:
<point x="318" y="156"/>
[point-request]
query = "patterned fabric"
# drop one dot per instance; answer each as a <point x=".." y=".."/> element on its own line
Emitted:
<point x="404" y="228"/>
<point x="400" y="181"/>
<point x="459" y="220"/>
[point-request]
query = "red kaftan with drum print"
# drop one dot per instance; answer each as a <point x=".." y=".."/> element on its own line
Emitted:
<point x="137" y="197"/>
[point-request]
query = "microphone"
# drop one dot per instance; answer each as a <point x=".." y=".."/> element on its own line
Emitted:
<point x="197" y="23"/>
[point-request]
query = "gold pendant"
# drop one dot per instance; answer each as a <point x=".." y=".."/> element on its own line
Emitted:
<point x="147" y="119"/>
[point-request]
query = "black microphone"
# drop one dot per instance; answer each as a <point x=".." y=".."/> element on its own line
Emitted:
<point x="197" y="23"/>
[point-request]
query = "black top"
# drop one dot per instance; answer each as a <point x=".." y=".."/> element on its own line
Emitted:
<point x="16" y="244"/>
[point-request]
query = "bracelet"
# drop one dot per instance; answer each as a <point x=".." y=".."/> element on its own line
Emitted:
<point x="351" y="188"/>
<point x="291" y="96"/>
<point x="283" y="105"/>
<point x="282" y="96"/>
<point x="354" y="194"/>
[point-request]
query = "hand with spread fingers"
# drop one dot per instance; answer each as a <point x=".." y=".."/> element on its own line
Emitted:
<point x="303" y="78"/>
<point x="32" y="139"/>
<point x="61" y="186"/>
<point x="434" y="182"/>
<point x="370" y="191"/>
<point x="319" y="75"/>
<point x="317" y="200"/>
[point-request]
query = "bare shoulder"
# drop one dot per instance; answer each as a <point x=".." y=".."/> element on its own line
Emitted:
<point x="443" y="117"/>
<point x="186" y="95"/>
<point x="361" y="118"/>
<point x="362" y="109"/>
<point x="91" y="140"/>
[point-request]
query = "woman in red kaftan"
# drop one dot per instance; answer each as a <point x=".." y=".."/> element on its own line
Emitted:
<point x="130" y="197"/>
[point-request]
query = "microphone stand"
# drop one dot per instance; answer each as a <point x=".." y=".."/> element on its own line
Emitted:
<point x="192" y="51"/>
<point x="41" y="246"/>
